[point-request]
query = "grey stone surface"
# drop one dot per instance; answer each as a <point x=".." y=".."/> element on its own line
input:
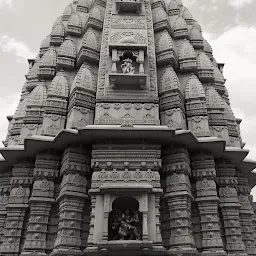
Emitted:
<point x="124" y="141"/>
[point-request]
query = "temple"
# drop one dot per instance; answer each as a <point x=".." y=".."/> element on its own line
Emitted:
<point x="124" y="141"/>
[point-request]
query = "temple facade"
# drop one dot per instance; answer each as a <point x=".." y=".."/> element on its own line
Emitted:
<point x="124" y="141"/>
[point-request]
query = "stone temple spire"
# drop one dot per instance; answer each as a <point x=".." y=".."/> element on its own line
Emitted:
<point x="124" y="141"/>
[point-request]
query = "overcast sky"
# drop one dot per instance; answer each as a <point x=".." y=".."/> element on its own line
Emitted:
<point x="229" y="25"/>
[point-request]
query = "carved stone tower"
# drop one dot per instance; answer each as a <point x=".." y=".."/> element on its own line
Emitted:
<point x="124" y="141"/>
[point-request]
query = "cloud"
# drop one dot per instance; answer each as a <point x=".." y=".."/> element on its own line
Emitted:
<point x="8" y="107"/>
<point x="236" y="48"/>
<point x="13" y="46"/>
<point x="7" y="3"/>
<point x="239" y="3"/>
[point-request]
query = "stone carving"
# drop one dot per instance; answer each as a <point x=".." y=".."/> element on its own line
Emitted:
<point x="134" y="113"/>
<point x="125" y="225"/>
<point x="118" y="36"/>
<point x="128" y="22"/>
<point x="127" y="66"/>
<point x="111" y="79"/>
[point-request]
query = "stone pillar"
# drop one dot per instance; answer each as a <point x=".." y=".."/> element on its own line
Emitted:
<point x="230" y="207"/>
<point x="246" y="214"/>
<point x="46" y="169"/>
<point x="254" y="221"/>
<point x="207" y="200"/>
<point x="165" y="222"/>
<point x="16" y="209"/>
<point x="85" y="224"/>
<point x="178" y="194"/>
<point x="75" y="168"/>
<point x="4" y="198"/>
<point x="92" y="221"/>
<point x="157" y="210"/>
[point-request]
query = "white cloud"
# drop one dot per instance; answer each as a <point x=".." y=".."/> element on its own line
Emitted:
<point x="7" y="3"/>
<point x="236" y="48"/>
<point x="239" y="3"/>
<point x="13" y="46"/>
<point x="8" y="107"/>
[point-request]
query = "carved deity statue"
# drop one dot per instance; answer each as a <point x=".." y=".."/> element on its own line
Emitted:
<point x="126" y="225"/>
<point x="127" y="66"/>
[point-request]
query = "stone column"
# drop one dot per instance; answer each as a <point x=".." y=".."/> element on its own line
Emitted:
<point x="254" y="221"/>
<point x="144" y="210"/>
<point x="46" y="169"/>
<point x="246" y="214"/>
<point x="92" y="221"/>
<point x="16" y="209"/>
<point x="4" y="198"/>
<point x="157" y="209"/>
<point x="230" y="207"/>
<point x="178" y="194"/>
<point x="207" y="200"/>
<point x="73" y="193"/>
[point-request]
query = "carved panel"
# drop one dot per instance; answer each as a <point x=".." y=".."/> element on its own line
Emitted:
<point x="128" y="22"/>
<point x="117" y="113"/>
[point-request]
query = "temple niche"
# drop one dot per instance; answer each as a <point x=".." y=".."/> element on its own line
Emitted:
<point x="128" y="65"/>
<point x="125" y="220"/>
<point x="124" y="141"/>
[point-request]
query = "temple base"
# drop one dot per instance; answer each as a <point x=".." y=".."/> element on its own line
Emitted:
<point x="66" y="252"/>
<point x="186" y="251"/>
<point x="125" y="248"/>
<point x="214" y="253"/>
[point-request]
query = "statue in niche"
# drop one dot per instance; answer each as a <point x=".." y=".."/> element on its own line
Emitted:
<point x="126" y="225"/>
<point x="127" y="67"/>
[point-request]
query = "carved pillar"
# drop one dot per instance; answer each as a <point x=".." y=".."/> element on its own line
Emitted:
<point x="165" y="222"/>
<point x="144" y="211"/>
<point x="46" y="169"/>
<point x="158" y="232"/>
<point x="246" y="215"/>
<point x="16" y="209"/>
<point x="85" y="224"/>
<point x="92" y="221"/>
<point x="230" y="207"/>
<point x="254" y="221"/>
<point x="178" y="194"/>
<point x="75" y="168"/>
<point x="4" y="197"/>
<point x="207" y="200"/>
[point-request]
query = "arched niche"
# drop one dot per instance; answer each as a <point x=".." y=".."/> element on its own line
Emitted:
<point x="125" y="220"/>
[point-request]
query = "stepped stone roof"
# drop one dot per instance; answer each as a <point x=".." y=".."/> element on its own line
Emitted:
<point x="75" y="20"/>
<point x="194" y="88"/>
<point x="203" y="62"/>
<point x="59" y="86"/>
<point x="187" y="16"/>
<point x="58" y="30"/>
<point x="164" y="42"/>
<point x="45" y="43"/>
<point x="68" y="49"/>
<point x="68" y="12"/>
<point x="180" y="24"/>
<point x="169" y="80"/>
<point x="187" y="51"/>
<point x="195" y="34"/>
<point x="49" y="58"/>
<point x="84" y="79"/>
<point x="218" y="76"/>
<point x="213" y="99"/>
<point x="38" y="95"/>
